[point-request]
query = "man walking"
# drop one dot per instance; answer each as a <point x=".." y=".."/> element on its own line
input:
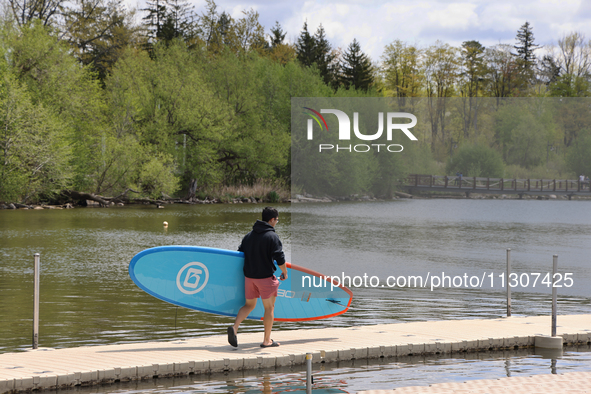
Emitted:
<point x="260" y="246"/>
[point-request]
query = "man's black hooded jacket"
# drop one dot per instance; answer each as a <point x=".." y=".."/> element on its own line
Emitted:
<point x="261" y="246"/>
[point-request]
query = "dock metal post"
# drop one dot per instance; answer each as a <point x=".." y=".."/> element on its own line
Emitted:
<point x="36" y="306"/>
<point x="308" y="373"/>
<point x="554" y="288"/>
<point x="508" y="282"/>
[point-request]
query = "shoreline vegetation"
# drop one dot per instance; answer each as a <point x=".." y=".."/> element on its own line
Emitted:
<point x="267" y="193"/>
<point x="259" y="192"/>
<point x="113" y="110"/>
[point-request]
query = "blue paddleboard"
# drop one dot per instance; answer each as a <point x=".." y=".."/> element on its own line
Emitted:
<point x="211" y="280"/>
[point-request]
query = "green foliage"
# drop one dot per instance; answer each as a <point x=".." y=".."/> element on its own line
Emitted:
<point x="554" y="170"/>
<point x="154" y="178"/>
<point x="258" y="92"/>
<point x="418" y="159"/>
<point x="248" y="88"/>
<point x="568" y="85"/>
<point x="524" y="130"/>
<point x="476" y="160"/>
<point x="273" y="197"/>
<point x="402" y="72"/>
<point x="84" y="139"/>
<point x="224" y="120"/>
<point x="34" y="147"/>
<point x="577" y="159"/>
<point x="164" y="104"/>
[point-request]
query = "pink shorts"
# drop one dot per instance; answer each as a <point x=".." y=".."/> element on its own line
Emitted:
<point x="264" y="288"/>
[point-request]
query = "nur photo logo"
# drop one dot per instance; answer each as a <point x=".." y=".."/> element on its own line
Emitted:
<point x="392" y="121"/>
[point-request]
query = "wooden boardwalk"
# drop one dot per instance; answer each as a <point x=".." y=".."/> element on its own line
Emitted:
<point x="61" y="368"/>
<point x="521" y="187"/>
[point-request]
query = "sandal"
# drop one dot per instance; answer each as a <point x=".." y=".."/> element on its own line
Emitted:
<point x="273" y="344"/>
<point x="232" y="339"/>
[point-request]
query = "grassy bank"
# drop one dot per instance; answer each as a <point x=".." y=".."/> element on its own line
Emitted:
<point x="261" y="191"/>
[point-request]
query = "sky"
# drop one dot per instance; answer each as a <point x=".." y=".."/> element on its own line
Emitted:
<point x="376" y="23"/>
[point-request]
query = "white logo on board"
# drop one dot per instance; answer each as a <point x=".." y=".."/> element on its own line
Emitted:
<point x="192" y="278"/>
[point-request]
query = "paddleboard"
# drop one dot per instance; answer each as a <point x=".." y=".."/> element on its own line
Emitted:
<point x="211" y="280"/>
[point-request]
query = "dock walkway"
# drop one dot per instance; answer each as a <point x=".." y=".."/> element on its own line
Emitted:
<point x="61" y="368"/>
<point x="568" y="383"/>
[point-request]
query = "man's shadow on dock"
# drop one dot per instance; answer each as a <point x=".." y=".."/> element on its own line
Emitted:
<point x="247" y="347"/>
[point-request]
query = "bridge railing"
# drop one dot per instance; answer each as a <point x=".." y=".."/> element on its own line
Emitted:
<point x="495" y="184"/>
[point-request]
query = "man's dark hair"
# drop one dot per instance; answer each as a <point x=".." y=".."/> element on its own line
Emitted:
<point x="269" y="213"/>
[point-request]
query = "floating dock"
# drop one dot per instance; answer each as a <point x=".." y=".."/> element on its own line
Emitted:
<point x="90" y="365"/>
<point x="568" y="383"/>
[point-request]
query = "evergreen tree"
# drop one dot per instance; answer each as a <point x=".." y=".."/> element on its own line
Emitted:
<point x="277" y="35"/>
<point x="224" y="26"/>
<point x="168" y="19"/>
<point x="356" y="69"/>
<point x="306" y="47"/>
<point x="525" y="44"/>
<point x="180" y="17"/>
<point x="525" y="51"/>
<point x="99" y="31"/>
<point x="155" y="18"/>
<point x="324" y="57"/>
<point x="277" y="49"/>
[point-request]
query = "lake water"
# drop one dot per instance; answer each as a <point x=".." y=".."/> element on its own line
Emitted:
<point x="87" y="297"/>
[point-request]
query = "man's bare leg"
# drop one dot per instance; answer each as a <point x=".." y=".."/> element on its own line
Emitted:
<point x="269" y="317"/>
<point x="243" y="313"/>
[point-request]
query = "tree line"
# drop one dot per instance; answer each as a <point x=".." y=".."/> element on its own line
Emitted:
<point x="93" y="102"/>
